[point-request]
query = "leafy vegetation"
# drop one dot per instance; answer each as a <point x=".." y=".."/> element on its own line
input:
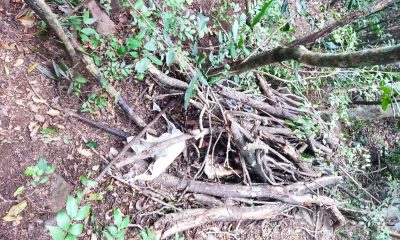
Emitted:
<point x="40" y="171"/>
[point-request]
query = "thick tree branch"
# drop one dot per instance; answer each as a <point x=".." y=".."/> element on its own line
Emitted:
<point x="368" y="57"/>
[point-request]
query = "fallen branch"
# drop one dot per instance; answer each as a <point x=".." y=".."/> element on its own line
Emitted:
<point x="254" y="191"/>
<point x="252" y="102"/>
<point x="115" y="132"/>
<point x="174" y="223"/>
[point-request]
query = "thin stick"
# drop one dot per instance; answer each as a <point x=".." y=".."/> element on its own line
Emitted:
<point x="115" y="132"/>
<point x="130" y="144"/>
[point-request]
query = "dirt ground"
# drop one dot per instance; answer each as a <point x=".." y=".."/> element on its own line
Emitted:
<point x="24" y="97"/>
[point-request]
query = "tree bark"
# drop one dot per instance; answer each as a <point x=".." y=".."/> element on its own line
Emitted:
<point x="369" y="57"/>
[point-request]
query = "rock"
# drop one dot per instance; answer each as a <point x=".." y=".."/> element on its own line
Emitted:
<point x="59" y="191"/>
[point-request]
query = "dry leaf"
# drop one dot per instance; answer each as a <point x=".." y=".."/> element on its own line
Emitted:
<point x="32" y="67"/>
<point x="84" y="152"/>
<point x="13" y="213"/>
<point x="217" y="170"/>
<point x="113" y="151"/>
<point x="19" y="191"/>
<point x="8" y="47"/>
<point x="38" y="100"/>
<point x="27" y="21"/>
<point x="19" y="62"/>
<point x="54" y="113"/>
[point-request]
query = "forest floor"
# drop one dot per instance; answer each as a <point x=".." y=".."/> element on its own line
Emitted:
<point x="30" y="129"/>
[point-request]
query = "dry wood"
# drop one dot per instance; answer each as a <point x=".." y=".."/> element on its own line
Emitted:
<point x="113" y="131"/>
<point x="175" y="223"/>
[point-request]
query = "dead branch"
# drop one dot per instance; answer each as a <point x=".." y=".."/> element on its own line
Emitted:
<point x="174" y="223"/>
<point x="115" y="132"/>
<point x="252" y="102"/>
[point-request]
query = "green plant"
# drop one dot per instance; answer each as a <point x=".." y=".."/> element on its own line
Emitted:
<point x="40" y="171"/>
<point x="118" y="231"/>
<point x="147" y="234"/>
<point x="69" y="224"/>
<point x="94" y="102"/>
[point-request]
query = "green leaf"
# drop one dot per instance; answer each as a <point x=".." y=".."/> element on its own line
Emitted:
<point x="86" y="18"/>
<point x="42" y="164"/>
<point x="81" y="79"/>
<point x="51" y="169"/>
<point x="133" y="44"/>
<point x="49" y="131"/>
<point x="285" y="28"/>
<point x="43" y="180"/>
<point x="170" y="57"/>
<point x="395" y="74"/>
<point x="151" y="45"/>
<point x="70" y="237"/>
<point x="113" y="230"/>
<point x="261" y="14"/>
<point x="121" y="50"/>
<point x="72" y="206"/>
<point x="138" y="4"/>
<point x="155" y="60"/>
<point x="95" y="197"/>
<point x="142" y="65"/>
<point x="63" y="220"/>
<point x="201" y="21"/>
<point x="82" y="213"/>
<point x="124" y="223"/>
<point x="385" y="103"/>
<point x="386" y="90"/>
<point x="92" y="144"/>
<point x="235" y="30"/>
<point x="190" y="91"/>
<point x="107" y="235"/>
<point x="88" y="31"/>
<point x="56" y="233"/>
<point x="117" y="217"/>
<point x="76" y="229"/>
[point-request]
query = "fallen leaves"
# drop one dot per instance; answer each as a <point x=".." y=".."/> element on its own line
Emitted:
<point x="84" y="152"/>
<point x="13" y="213"/>
<point x="7" y="46"/>
<point x="54" y="113"/>
<point x="18" y="62"/>
<point x="27" y="21"/>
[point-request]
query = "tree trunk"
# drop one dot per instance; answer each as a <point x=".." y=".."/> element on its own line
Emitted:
<point x="369" y="57"/>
